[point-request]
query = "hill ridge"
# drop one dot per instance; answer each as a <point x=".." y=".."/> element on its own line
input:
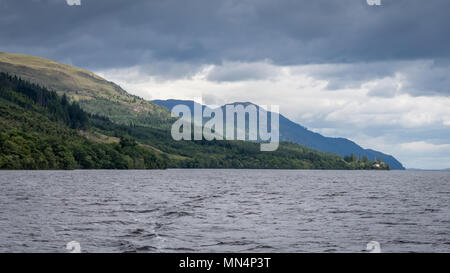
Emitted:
<point x="95" y="94"/>
<point x="296" y="133"/>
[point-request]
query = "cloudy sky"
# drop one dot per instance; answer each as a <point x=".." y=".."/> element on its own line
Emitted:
<point x="379" y="75"/>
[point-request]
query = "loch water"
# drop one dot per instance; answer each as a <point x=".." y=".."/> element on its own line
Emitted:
<point x="224" y="210"/>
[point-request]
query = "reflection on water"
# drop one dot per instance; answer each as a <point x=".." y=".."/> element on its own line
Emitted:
<point x="224" y="211"/>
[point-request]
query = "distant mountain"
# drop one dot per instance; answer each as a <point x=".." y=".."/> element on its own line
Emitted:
<point x="293" y="132"/>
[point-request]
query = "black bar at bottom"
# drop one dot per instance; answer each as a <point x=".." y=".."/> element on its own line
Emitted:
<point x="221" y="262"/>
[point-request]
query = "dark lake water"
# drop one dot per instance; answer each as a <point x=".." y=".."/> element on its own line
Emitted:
<point x="224" y="211"/>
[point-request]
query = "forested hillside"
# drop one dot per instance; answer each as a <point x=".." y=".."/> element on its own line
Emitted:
<point x="93" y="93"/>
<point x="41" y="130"/>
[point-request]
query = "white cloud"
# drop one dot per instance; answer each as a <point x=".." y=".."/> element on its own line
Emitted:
<point x="73" y="2"/>
<point x="385" y="87"/>
<point x="425" y="147"/>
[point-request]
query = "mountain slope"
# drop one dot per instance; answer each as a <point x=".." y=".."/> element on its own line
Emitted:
<point x="94" y="94"/>
<point x="293" y="132"/>
<point x="40" y="130"/>
<point x="115" y="114"/>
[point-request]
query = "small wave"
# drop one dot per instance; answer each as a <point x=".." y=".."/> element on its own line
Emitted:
<point x="146" y="248"/>
<point x="397" y="224"/>
<point x="236" y="243"/>
<point x="125" y="246"/>
<point x="251" y="213"/>
<point x="334" y="194"/>
<point x="180" y="249"/>
<point x="410" y="242"/>
<point x="177" y="213"/>
<point x="260" y="247"/>
<point x="138" y="231"/>
<point x="141" y="211"/>
<point x="109" y="222"/>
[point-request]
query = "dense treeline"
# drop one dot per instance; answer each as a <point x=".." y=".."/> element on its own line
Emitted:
<point x="231" y="154"/>
<point x="37" y="132"/>
<point x="31" y="96"/>
<point x="41" y="130"/>
<point x="364" y="162"/>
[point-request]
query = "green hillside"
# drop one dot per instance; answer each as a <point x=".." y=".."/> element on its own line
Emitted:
<point x="42" y="130"/>
<point x="93" y="93"/>
<point x="88" y="122"/>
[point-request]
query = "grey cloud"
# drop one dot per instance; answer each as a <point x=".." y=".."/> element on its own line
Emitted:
<point x="428" y="78"/>
<point x="170" y="70"/>
<point x="175" y="38"/>
<point x="432" y="133"/>
<point x="341" y="76"/>
<point x="211" y="31"/>
<point x="417" y="77"/>
<point x="230" y="72"/>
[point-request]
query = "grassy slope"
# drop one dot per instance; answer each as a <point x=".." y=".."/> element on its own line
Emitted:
<point x="95" y="94"/>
